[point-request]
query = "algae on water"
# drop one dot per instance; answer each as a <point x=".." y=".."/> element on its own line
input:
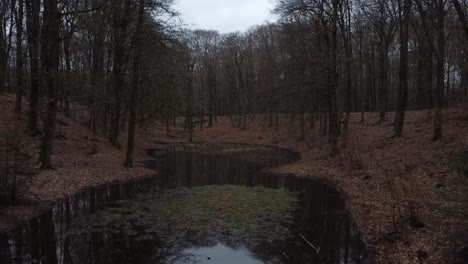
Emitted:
<point x="232" y="215"/>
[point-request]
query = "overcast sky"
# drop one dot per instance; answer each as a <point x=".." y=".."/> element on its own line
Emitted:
<point x="224" y="15"/>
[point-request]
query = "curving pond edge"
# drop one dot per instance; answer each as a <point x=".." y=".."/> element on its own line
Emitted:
<point x="96" y="199"/>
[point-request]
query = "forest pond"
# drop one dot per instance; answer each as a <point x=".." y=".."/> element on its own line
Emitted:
<point x="213" y="203"/>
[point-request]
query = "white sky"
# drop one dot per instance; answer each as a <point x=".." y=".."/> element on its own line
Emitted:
<point x="224" y="15"/>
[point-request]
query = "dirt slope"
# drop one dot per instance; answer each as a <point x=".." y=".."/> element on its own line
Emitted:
<point x="407" y="195"/>
<point x="81" y="160"/>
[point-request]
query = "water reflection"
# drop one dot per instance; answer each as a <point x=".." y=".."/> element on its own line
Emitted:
<point x="322" y="230"/>
<point x="218" y="254"/>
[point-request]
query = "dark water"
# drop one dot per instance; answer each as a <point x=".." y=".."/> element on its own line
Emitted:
<point x="320" y="221"/>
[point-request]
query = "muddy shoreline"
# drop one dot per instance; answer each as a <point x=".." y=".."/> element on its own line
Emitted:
<point x="31" y="209"/>
<point x="36" y="209"/>
<point x="291" y="158"/>
<point x="156" y="162"/>
<point x="372" y="173"/>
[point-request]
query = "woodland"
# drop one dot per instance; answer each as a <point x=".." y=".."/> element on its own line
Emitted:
<point x="331" y="75"/>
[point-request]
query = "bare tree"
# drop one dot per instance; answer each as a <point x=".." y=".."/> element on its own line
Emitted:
<point x="120" y="17"/>
<point x="440" y="72"/>
<point x="129" y="160"/>
<point x="405" y="13"/>
<point x="19" y="55"/>
<point x="33" y="31"/>
<point x="52" y="71"/>
<point x="3" y="45"/>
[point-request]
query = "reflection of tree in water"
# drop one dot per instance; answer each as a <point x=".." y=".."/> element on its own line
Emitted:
<point x="320" y="220"/>
<point x="139" y="227"/>
<point x="114" y="248"/>
<point x="5" y="253"/>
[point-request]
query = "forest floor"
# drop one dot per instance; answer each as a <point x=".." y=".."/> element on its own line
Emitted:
<point x="81" y="160"/>
<point x="408" y="196"/>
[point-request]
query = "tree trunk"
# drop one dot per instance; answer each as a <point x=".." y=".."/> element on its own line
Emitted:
<point x="383" y="93"/>
<point x="403" y="89"/>
<point x="52" y="66"/>
<point x="135" y="86"/>
<point x="33" y="28"/>
<point x="346" y="32"/>
<point x="302" y="128"/>
<point x="276" y="121"/>
<point x="464" y="74"/>
<point x="312" y="121"/>
<point x="211" y="94"/>
<point x="19" y="56"/>
<point x="424" y="74"/>
<point x="66" y="52"/>
<point x="189" y="122"/>
<point x="201" y="118"/>
<point x="3" y="59"/>
<point x="439" y="91"/>
<point x="119" y="31"/>
<point x="333" y="82"/>
<point x="97" y="74"/>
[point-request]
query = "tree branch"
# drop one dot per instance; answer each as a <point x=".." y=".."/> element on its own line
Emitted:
<point x="461" y="16"/>
<point x="84" y="11"/>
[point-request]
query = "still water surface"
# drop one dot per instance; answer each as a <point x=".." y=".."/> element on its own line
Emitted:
<point x="322" y="232"/>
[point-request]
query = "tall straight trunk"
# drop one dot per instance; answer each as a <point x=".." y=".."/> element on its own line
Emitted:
<point x="464" y="23"/>
<point x="33" y="28"/>
<point x="302" y="126"/>
<point x="19" y="56"/>
<point x="383" y="93"/>
<point x="67" y="54"/>
<point x="47" y="244"/>
<point x="129" y="160"/>
<point x="3" y="48"/>
<point x="43" y="49"/>
<point x="270" y="119"/>
<point x="52" y="66"/>
<point x="403" y="89"/>
<point x="325" y="123"/>
<point x="346" y="31"/>
<point x="362" y="81"/>
<point x="464" y="77"/>
<point x="424" y="73"/>
<point x="428" y="78"/>
<point x="201" y="117"/>
<point x="449" y="96"/>
<point x="312" y="121"/>
<point x="97" y="74"/>
<point x="439" y="91"/>
<point x="9" y="44"/>
<point x="119" y="30"/>
<point x="189" y="118"/>
<point x="211" y="94"/>
<point x="210" y="119"/>
<point x="333" y="82"/>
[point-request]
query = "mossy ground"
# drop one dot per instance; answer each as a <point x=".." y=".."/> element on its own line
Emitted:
<point x="225" y="214"/>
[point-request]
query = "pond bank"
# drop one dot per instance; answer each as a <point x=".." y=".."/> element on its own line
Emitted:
<point x="81" y="159"/>
<point x="203" y="198"/>
<point x="377" y="174"/>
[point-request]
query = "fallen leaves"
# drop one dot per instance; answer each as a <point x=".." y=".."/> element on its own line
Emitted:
<point x="375" y="171"/>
